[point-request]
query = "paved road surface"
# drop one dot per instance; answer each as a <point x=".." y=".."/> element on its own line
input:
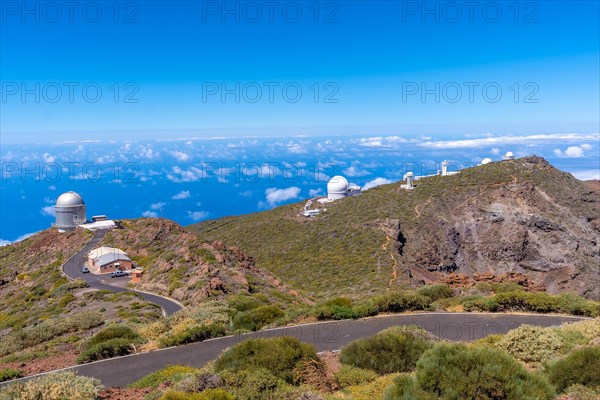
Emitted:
<point x="326" y="336"/>
<point x="72" y="269"/>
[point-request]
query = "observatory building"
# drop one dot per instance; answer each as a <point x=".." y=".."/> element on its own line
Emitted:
<point x="409" y="177"/>
<point x="509" y="155"/>
<point x="486" y="161"/>
<point x="70" y="211"/>
<point x="338" y="188"/>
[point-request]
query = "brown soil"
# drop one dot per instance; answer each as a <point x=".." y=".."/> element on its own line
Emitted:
<point x="65" y="359"/>
<point x="124" y="394"/>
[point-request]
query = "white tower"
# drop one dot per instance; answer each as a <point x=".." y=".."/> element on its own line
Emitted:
<point x="337" y="188"/>
<point x="444" y="168"/>
<point x="410" y="180"/>
<point x="70" y="211"/>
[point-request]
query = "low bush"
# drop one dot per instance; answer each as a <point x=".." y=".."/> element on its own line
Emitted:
<point x="531" y="344"/>
<point x="580" y="392"/>
<point x="107" y="349"/>
<point x="405" y="387"/>
<point x="194" y="334"/>
<point x="278" y="355"/>
<point x="54" y="386"/>
<point x="535" y="302"/>
<point x="578" y="367"/>
<point x="252" y="384"/>
<point x="8" y="374"/>
<point x="198" y="382"/>
<point x="209" y="394"/>
<point x="457" y="371"/>
<point x="170" y="374"/>
<point x="436" y="292"/>
<point x="401" y="301"/>
<point x="336" y="309"/>
<point x="349" y="375"/>
<point x="256" y="318"/>
<point x="115" y="332"/>
<point x="385" y="352"/>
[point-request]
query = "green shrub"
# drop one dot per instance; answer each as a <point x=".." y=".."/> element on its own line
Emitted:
<point x="457" y="371"/>
<point x="256" y="318"/>
<point x="277" y="355"/>
<point x="54" y="386"/>
<point x="436" y="292"/>
<point x="580" y="392"/>
<point x="197" y="382"/>
<point x="110" y="348"/>
<point x="114" y="332"/>
<point x="401" y="301"/>
<point x="171" y="374"/>
<point x="209" y="394"/>
<point x="194" y="334"/>
<point x="245" y="303"/>
<point x="8" y="374"/>
<point x="579" y="367"/>
<point x="336" y="309"/>
<point x="405" y="387"/>
<point x="385" y="352"/>
<point x="251" y="384"/>
<point x="531" y="344"/>
<point x="349" y="375"/>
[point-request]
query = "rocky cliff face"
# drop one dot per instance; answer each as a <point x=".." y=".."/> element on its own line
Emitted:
<point x="542" y="224"/>
<point x="512" y="218"/>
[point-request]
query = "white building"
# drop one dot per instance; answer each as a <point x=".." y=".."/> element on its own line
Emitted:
<point x="486" y="161"/>
<point x="70" y="211"/>
<point x="409" y="177"/>
<point x="337" y="188"/>
<point x="509" y="155"/>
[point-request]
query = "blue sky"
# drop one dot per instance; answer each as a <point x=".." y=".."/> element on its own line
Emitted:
<point x="361" y="88"/>
<point x="363" y="56"/>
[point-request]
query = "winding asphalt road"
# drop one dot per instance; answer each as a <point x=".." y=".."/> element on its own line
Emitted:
<point x="72" y="268"/>
<point x="326" y="336"/>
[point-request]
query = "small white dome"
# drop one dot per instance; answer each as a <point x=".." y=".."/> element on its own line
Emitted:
<point x="486" y="161"/>
<point x="409" y="174"/>
<point x="509" y="154"/>
<point x="337" y="184"/>
<point x="69" y="199"/>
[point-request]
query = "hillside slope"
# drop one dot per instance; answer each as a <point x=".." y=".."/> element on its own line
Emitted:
<point x="521" y="216"/>
<point x="179" y="265"/>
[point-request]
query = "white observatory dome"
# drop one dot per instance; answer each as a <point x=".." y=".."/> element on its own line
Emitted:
<point x="70" y="211"/>
<point x="486" y="161"/>
<point x="337" y="188"/>
<point x="509" y="155"/>
<point x="69" y="199"/>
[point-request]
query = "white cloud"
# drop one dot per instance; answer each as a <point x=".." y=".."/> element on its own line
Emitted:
<point x="247" y="193"/>
<point x="314" y="192"/>
<point x="48" y="158"/>
<point x="149" y="214"/>
<point x="352" y="171"/>
<point x="572" y="151"/>
<point x="22" y="237"/>
<point x="376" y="182"/>
<point x="51" y="187"/>
<point x="48" y="211"/>
<point x="184" y="194"/>
<point x="179" y="175"/>
<point x="158" y="206"/>
<point x="197" y="215"/>
<point x="495" y="151"/>
<point x="500" y="140"/>
<point x="586" y="175"/>
<point x="274" y="195"/>
<point x="296" y="148"/>
<point x="180" y="155"/>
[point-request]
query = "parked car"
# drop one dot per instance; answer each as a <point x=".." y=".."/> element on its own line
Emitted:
<point x="85" y="270"/>
<point x="118" y="273"/>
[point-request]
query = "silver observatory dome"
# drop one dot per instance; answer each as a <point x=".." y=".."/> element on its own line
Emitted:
<point x="70" y="211"/>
